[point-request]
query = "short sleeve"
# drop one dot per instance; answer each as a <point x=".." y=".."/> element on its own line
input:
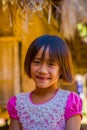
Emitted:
<point x="73" y="106"/>
<point x="11" y="108"/>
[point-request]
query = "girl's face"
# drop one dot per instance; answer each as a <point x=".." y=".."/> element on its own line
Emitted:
<point x="45" y="73"/>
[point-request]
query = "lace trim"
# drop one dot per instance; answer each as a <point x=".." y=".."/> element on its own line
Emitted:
<point x="47" y="116"/>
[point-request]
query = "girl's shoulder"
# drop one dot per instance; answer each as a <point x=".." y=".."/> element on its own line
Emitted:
<point x="22" y="94"/>
<point x="13" y="98"/>
<point x="11" y="105"/>
<point x="72" y="96"/>
<point x="73" y="105"/>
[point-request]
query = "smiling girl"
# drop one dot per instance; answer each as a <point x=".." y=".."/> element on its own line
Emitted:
<point x="47" y="107"/>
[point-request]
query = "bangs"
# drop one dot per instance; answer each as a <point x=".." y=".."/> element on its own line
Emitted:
<point x="48" y="42"/>
<point x="53" y="55"/>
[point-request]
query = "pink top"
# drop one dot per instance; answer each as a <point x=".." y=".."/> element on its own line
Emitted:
<point x="73" y="105"/>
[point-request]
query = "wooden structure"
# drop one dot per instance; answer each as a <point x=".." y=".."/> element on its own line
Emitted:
<point x="10" y="61"/>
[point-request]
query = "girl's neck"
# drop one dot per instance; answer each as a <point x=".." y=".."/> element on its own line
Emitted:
<point x="44" y="91"/>
<point x="39" y="96"/>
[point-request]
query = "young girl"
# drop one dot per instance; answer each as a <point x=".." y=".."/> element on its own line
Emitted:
<point x="47" y="107"/>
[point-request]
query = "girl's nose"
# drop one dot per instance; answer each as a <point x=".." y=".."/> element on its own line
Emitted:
<point x="43" y="69"/>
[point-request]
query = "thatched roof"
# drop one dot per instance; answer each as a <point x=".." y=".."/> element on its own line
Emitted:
<point x="68" y="13"/>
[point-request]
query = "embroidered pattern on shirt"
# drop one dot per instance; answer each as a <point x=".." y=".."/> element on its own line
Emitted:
<point x="47" y="116"/>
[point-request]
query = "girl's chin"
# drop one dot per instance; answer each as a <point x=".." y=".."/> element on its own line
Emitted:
<point x="42" y="86"/>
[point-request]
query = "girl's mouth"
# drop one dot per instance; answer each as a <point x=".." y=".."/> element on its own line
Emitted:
<point x="42" y="78"/>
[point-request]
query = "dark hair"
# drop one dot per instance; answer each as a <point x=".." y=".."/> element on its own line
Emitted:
<point x="58" y="50"/>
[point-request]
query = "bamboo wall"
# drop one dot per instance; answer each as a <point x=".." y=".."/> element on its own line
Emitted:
<point x="9" y="68"/>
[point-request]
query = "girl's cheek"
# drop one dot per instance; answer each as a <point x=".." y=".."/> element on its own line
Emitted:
<point x="55" y="72"/>
<point x="34" y="68"/>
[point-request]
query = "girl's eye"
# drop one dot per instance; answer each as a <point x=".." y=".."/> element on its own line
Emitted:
<point x="51" y="64"/>
<point x="36" y="61"/>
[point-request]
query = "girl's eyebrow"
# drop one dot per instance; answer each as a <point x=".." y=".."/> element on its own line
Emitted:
<point x="51" y="60"/>
<point x="37" y="58"/>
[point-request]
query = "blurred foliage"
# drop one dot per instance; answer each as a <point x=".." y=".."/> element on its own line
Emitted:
<point x="82" y="29"/>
